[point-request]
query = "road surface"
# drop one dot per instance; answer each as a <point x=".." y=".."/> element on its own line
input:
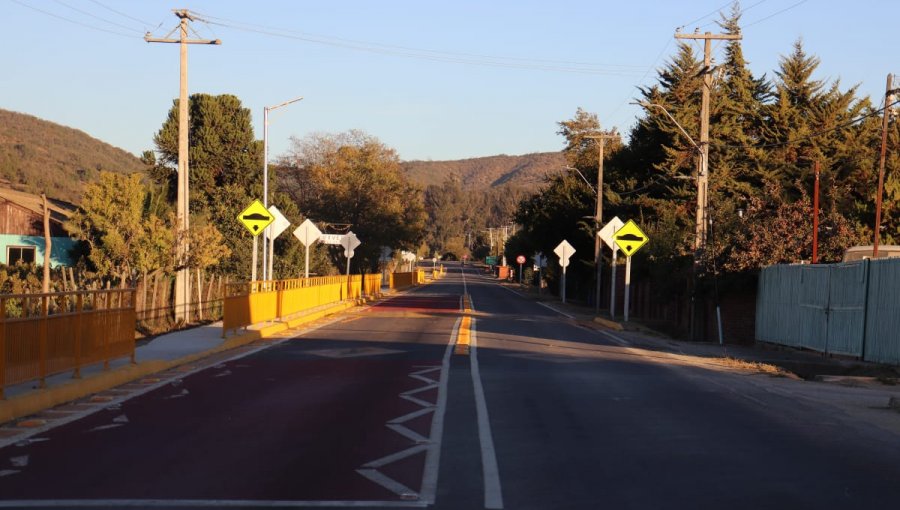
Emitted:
<point x="380" y="409"/>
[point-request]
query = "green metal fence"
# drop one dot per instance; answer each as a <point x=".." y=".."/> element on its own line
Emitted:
<point x="851" y="309"/>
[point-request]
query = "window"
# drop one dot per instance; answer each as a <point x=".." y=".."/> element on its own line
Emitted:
<point x="14" y="254"/>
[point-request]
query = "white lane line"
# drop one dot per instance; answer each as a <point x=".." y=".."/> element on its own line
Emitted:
<point x="433" y="455"/>
<point x="408" y="433"/>
<point x="493" y="494"/>
<point x="202" y="503"/>
<point x="389" y="483"/>
<point x="564" y="314"/>
<point x="413" y="415"/>
<point x="615" y="338"/>
<point x="384" y="461"/>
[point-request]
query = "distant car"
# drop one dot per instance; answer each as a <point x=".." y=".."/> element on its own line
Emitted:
<point x="885" y="251"/>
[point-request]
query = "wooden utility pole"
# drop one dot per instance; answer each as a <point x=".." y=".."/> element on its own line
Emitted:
<point x="598" y="217"/>
<point x="703" y="163"/>
<point x="888" y="99"/>
<point x="48" y="245"/>
<point x="815" y="247"/>
<point x="182" y="207"/>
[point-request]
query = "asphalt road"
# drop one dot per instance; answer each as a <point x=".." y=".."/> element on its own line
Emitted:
<point x="378" y="409"/>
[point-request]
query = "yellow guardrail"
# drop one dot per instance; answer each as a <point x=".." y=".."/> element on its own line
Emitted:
<point x="402" y="280"/>
<point x="249" y="303"/>
<point x="47" y="334"/>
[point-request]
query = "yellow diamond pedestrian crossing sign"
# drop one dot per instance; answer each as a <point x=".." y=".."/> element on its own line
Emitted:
<point x="256" y="218"/>
<point x="630" y="238"/>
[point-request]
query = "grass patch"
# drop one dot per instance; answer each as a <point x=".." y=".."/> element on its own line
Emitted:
<point x="755" y="366"/>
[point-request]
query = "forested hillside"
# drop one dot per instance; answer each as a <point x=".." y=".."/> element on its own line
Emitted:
<point x="526" y="171"/>
<point x="37" y="155"/>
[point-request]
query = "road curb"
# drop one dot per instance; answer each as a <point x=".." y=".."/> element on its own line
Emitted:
<point x="41" y="399"/>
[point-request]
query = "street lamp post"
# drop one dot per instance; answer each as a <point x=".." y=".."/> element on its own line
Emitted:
<point x="270" y="247"/>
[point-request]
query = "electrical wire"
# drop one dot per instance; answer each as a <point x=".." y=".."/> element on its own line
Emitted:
<point x="143" y="23"/>
<point x="63" y="18"/>
<point x="86" y="13"/>
<point x="801" y="2"/>
<point x="433" y="55"/>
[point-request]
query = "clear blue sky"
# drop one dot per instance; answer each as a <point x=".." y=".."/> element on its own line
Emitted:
<point x="508" y="71"/>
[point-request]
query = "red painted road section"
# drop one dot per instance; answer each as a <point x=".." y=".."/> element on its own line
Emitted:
<point x="292" y="422"/>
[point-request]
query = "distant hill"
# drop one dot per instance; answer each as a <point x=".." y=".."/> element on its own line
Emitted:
<point x="526" y="171"/>
<point x="37" y="155"/>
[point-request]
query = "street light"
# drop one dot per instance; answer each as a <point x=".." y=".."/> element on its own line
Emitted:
<point x="267" y="269"/>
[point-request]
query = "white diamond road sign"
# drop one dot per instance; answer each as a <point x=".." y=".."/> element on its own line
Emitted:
<point x="279" y="225"/>
<point x="564" y="251"/>
<point x="607" y="233"/>
<point x="307" y="232"/>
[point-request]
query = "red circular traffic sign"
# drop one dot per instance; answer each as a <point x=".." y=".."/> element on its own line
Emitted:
<point x="520" y="259"/>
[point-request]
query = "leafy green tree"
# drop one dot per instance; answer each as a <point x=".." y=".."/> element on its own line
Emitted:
<point x="116" y="222"/>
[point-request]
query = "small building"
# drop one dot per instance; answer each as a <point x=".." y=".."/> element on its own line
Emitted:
<point x="22" y="229"/>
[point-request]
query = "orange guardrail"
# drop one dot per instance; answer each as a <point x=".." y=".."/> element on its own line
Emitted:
<point x="251" y="303"/>
<point x="47" y="334"/>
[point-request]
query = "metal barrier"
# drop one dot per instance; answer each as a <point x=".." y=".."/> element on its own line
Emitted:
<point x="851" y="309"/>
<point x="250" y="303"/>
<point x="47" y="334"/>
<point x="403" y="280"/>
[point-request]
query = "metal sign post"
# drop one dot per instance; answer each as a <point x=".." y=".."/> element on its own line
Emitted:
<point x="627" y="286"/>
<point x="307" y="233"/>
<point x="278" y="226"/>
<point x="255" y="218"/>
<point x="630" y="238"/>
<point x="565" y="251"/>
<point x="349" y="242"/>
<point x="607" y="235"/>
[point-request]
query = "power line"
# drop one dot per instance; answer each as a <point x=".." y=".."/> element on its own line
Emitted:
<point x="741" y="13"/>
<point x="86" y="13"/>
<point x="801" y="2"/>
<point x="435" y="55"/>
<point x="143" y="23"/>
<point x="63" y="18"/>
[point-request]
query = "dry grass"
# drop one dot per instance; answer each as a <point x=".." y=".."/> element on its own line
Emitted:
<point x="754" y="366"/>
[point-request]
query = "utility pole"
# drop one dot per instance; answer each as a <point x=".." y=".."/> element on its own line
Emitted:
<point x="598" y="217"/>
<point x="703" y="164"/>
<point x="182" y="207"/>
<point x="888" y="99"/>
<point x="815" y="247"/>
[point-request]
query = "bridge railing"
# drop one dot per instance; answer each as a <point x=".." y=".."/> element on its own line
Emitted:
<point x="46" y="334"/>
<point x="249" y="303"/>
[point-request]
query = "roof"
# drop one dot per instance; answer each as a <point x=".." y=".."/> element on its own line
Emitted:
<point x="59" y="210"/>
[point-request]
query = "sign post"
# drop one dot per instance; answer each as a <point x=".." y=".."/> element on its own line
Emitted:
<point x="307" y="233"/>
<point x="349" y="242"/>
<point x="278" y="226"/>
<point x="540" y="262"/>
<point x="630" y="239"/>
<point x="521" y="260"/>
<point x="607" y="235"/>
<point x="255" y="218"/>
<point x="564" y="251"/>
